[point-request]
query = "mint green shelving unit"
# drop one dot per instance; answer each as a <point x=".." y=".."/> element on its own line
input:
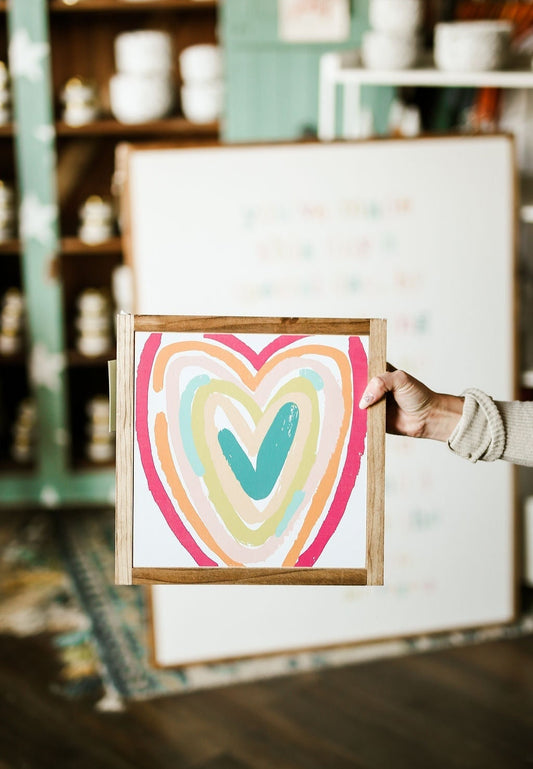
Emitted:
<point x="52" y="481"/>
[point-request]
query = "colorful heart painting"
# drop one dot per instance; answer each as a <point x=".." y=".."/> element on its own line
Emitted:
<point x="248" y="447"/>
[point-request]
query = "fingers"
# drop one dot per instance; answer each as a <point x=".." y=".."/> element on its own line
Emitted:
<point x="378" y="387"/>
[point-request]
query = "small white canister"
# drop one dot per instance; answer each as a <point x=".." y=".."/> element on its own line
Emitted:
<point x="8" y="221"/>
<point x="143" y="52"/>
<point x="80" y="101"/>
<point x="100" y="445"/>
<point x="97" y="220"/>
<point x="94" y="323"/>
<point x="6" y="112"/>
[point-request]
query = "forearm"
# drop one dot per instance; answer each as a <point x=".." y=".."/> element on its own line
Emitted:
<point x="443" y="417"/>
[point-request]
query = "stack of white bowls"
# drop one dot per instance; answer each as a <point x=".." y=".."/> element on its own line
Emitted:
<point x="472" y="46"/>
<point x="143" y="88"/>
<point x="11" y="321"/>
<point x="8" y="213"/>
<point x="80" y="100"/>
<point x="202" y="92"/>
<point x="6" y="114"/>
<point x="23" y="446"/>
<point x="93" y="323"/>
<point x="97" y="220"/>
<point x="100" y="446"/>
<point x="393" y="41"/>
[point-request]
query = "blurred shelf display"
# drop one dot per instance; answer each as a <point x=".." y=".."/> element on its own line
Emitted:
<point x="72" y="246"/>
<point x="344" y="69"/>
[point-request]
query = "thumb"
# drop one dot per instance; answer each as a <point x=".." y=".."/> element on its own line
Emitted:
<point x="377" y="387"/>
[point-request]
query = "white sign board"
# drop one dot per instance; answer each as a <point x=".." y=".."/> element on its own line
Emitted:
<point x="419" y="232"/>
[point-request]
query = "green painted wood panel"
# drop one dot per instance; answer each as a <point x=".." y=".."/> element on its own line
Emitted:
<point x="272" y="86"/>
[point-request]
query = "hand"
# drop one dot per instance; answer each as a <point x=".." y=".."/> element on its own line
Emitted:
<point x="412" y="408"/>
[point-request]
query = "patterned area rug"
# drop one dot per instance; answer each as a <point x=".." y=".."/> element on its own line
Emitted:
<point x="56" y="577"/>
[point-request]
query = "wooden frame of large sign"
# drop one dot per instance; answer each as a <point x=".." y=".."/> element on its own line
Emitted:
<point x="242" y="453"/>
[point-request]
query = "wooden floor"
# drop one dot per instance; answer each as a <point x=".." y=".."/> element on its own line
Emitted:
<point x="467" y="707"/>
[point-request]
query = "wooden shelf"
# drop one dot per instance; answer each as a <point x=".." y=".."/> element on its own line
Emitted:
<point x="428" y="75"/>
<point x="85" y="465"/>
<point x="77" y="360"/>
<point x="117" y="6"/>
<point x="10" y="247"/>
<point x="173" y="126"/>
<point x="17" y="359"/>
<point x="72" y="245"/>
<point x="9" y="466"/>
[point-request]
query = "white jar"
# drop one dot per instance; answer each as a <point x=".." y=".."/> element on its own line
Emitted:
<point x="7" y="195"/>
<point x="203" y="102"/>
<point x="139" y="99"/>
<point x="4" y="75"/>
<point x="143" y="52"/>
<point x="7" y="213"/>
<point x="201" y="63"/>
<point x="80" y="100"/>
<point x="94" y="345"/>
<point x="92" y="301"/>
<point x="472" y="46"/>
<point x="97" y="220"/>
<point x="399" y="17"/>
<point x="384" y="51"/>
<point x="100" y="452"/>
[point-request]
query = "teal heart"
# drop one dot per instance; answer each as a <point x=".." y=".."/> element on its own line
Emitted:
<point x="258" y="482"/>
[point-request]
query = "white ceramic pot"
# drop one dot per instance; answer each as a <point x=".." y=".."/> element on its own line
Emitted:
<point x="139" y="99"/>
<point x="93" y="346"/>
<point x="399" y="17"/>
<point x="4" y="75"/>
<point x="381" y="50"/>
<point x="80" y="99"/>
<point x="472" y="46"/>
<point x="96" y="210"/>
<point x="89" y="325"/>
<point x="143" y="52"/>
<point x="100" y="452"/>
<point x="201" y="64"/>
<point x="92" y="301"/>
<point x="203" y="102"/>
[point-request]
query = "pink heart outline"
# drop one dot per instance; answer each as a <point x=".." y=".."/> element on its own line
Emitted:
<point x="257" y="359"/>
<point x="354" y="453"/>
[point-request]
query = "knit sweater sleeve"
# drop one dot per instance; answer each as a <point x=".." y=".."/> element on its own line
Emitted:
<point x="490" y="430"/>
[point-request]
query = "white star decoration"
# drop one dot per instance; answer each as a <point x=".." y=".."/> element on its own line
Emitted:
<point x="37" y="219"/>
<point x="46" y="367"/>
<point x="26" y="59"/>
<point x="44" y="133"/>
<point x="49" y="496"/>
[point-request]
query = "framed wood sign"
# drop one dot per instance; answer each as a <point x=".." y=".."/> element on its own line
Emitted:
<point x="242" y="454"/>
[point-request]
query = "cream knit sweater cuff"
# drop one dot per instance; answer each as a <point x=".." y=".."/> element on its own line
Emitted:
<point x="480" y="433"/>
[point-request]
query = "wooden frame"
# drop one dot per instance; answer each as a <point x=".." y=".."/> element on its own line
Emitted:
<point x="296" y="328"/>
